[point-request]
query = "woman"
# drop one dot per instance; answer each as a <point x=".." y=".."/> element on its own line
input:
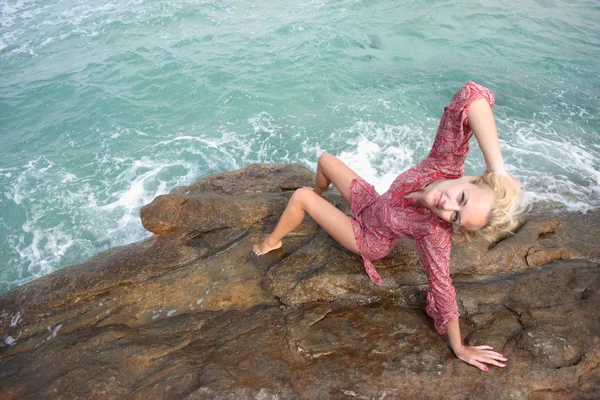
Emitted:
<point x="429" y="203"/>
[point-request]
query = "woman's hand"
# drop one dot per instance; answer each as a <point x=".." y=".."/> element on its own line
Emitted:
<point x="474" y="355"/>
<point x="506" y="175"/>
<point x="478" y="355"/>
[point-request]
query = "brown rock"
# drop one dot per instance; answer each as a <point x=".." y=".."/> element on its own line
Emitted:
<point x="192" y="314"/>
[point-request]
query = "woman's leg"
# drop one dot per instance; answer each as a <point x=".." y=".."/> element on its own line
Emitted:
<point x="331" y="169"/>
<point x="333" y="221"/>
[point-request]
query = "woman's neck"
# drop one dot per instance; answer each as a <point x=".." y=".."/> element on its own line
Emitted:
<point x="417" y="196"/>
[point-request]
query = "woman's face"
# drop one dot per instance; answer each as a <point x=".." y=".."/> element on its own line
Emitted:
<point x="459" y="201"/>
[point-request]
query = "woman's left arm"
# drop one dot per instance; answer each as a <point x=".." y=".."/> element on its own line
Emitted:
<point x="434" y="252"/>
<point x="478" y="356"/>
<point x="483" y="125"/>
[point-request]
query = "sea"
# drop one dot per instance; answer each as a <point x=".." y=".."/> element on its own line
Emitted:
<point x="106" y="104"/>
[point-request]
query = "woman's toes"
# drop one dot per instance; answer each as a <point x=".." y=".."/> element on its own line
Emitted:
<point x="265" y="247"/>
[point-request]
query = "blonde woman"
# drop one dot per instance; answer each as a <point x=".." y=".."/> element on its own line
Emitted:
<point x="430" y="203"/>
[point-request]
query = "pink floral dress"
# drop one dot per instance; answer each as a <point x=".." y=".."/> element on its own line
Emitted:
<point x="379" y="221"/>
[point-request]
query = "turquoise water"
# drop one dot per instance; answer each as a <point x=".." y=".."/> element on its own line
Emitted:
<point x="104" y="105"/>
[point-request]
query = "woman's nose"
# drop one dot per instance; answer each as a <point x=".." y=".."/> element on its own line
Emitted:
<point x="450" y="205"/>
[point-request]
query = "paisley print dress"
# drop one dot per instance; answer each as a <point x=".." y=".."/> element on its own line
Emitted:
<point x="379" y="221"/>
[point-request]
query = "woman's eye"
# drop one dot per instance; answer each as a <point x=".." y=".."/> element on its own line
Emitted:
<point x="462" y="198"/>
<point x="455" y="217"/>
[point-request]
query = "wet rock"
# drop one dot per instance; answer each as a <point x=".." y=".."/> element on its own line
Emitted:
<point x="191" y="313"/>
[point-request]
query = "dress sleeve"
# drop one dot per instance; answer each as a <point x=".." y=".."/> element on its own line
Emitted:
<point x="451" y="144"/>
<point x="434" y="252"/>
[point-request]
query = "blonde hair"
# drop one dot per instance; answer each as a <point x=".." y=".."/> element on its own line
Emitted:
<point x="506" y="211"/>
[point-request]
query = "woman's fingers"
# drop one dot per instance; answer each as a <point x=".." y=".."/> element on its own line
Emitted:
<point x="491" y="353"/>
<point x="488" y="360"/>
<point x="514" y="181"/>
<point x="479" y="365"/>
<point x="491" y="357"/>
<point x="488" y="350"/>
<point x="482" y="356"/>
<point x="494" y="355"/>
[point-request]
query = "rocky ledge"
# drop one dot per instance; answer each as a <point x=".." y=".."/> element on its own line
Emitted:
<point x="191" y="313"/>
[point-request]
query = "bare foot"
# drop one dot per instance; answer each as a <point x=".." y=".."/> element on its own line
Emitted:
<point x="265" y="246"/>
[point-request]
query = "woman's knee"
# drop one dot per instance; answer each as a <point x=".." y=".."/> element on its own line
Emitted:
<point x="325" y="158"/>
<point x="302" y="196"/>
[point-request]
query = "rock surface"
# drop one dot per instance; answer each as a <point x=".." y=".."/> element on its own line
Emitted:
<point x="191" y="313"/>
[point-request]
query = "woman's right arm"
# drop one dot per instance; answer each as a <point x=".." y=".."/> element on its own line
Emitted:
<point x="483" y="125"/>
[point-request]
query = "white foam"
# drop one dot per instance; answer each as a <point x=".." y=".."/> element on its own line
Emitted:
<point x="553" y="166"/>
<point x="133" y="197"/>
<point x="10" y="9"/>
<point x="33" y="21"/>
<point x="33" y="170"/>
<point x="46" y="248"/>
<point x="264" y="122"/>
<point x="44" y="242"/>
<point x="6" y="21"/>
<point x="381" y="152"/>
<point x="9" y="12"/>
<point x="143" y="188"/>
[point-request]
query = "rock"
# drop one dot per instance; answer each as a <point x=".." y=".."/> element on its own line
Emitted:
<point x="191" y="313"/>
<point x="554" y="350"/>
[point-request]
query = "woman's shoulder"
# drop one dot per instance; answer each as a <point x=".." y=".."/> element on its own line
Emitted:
<point x="467" y="94"/>
<point x="414" y="178"/>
